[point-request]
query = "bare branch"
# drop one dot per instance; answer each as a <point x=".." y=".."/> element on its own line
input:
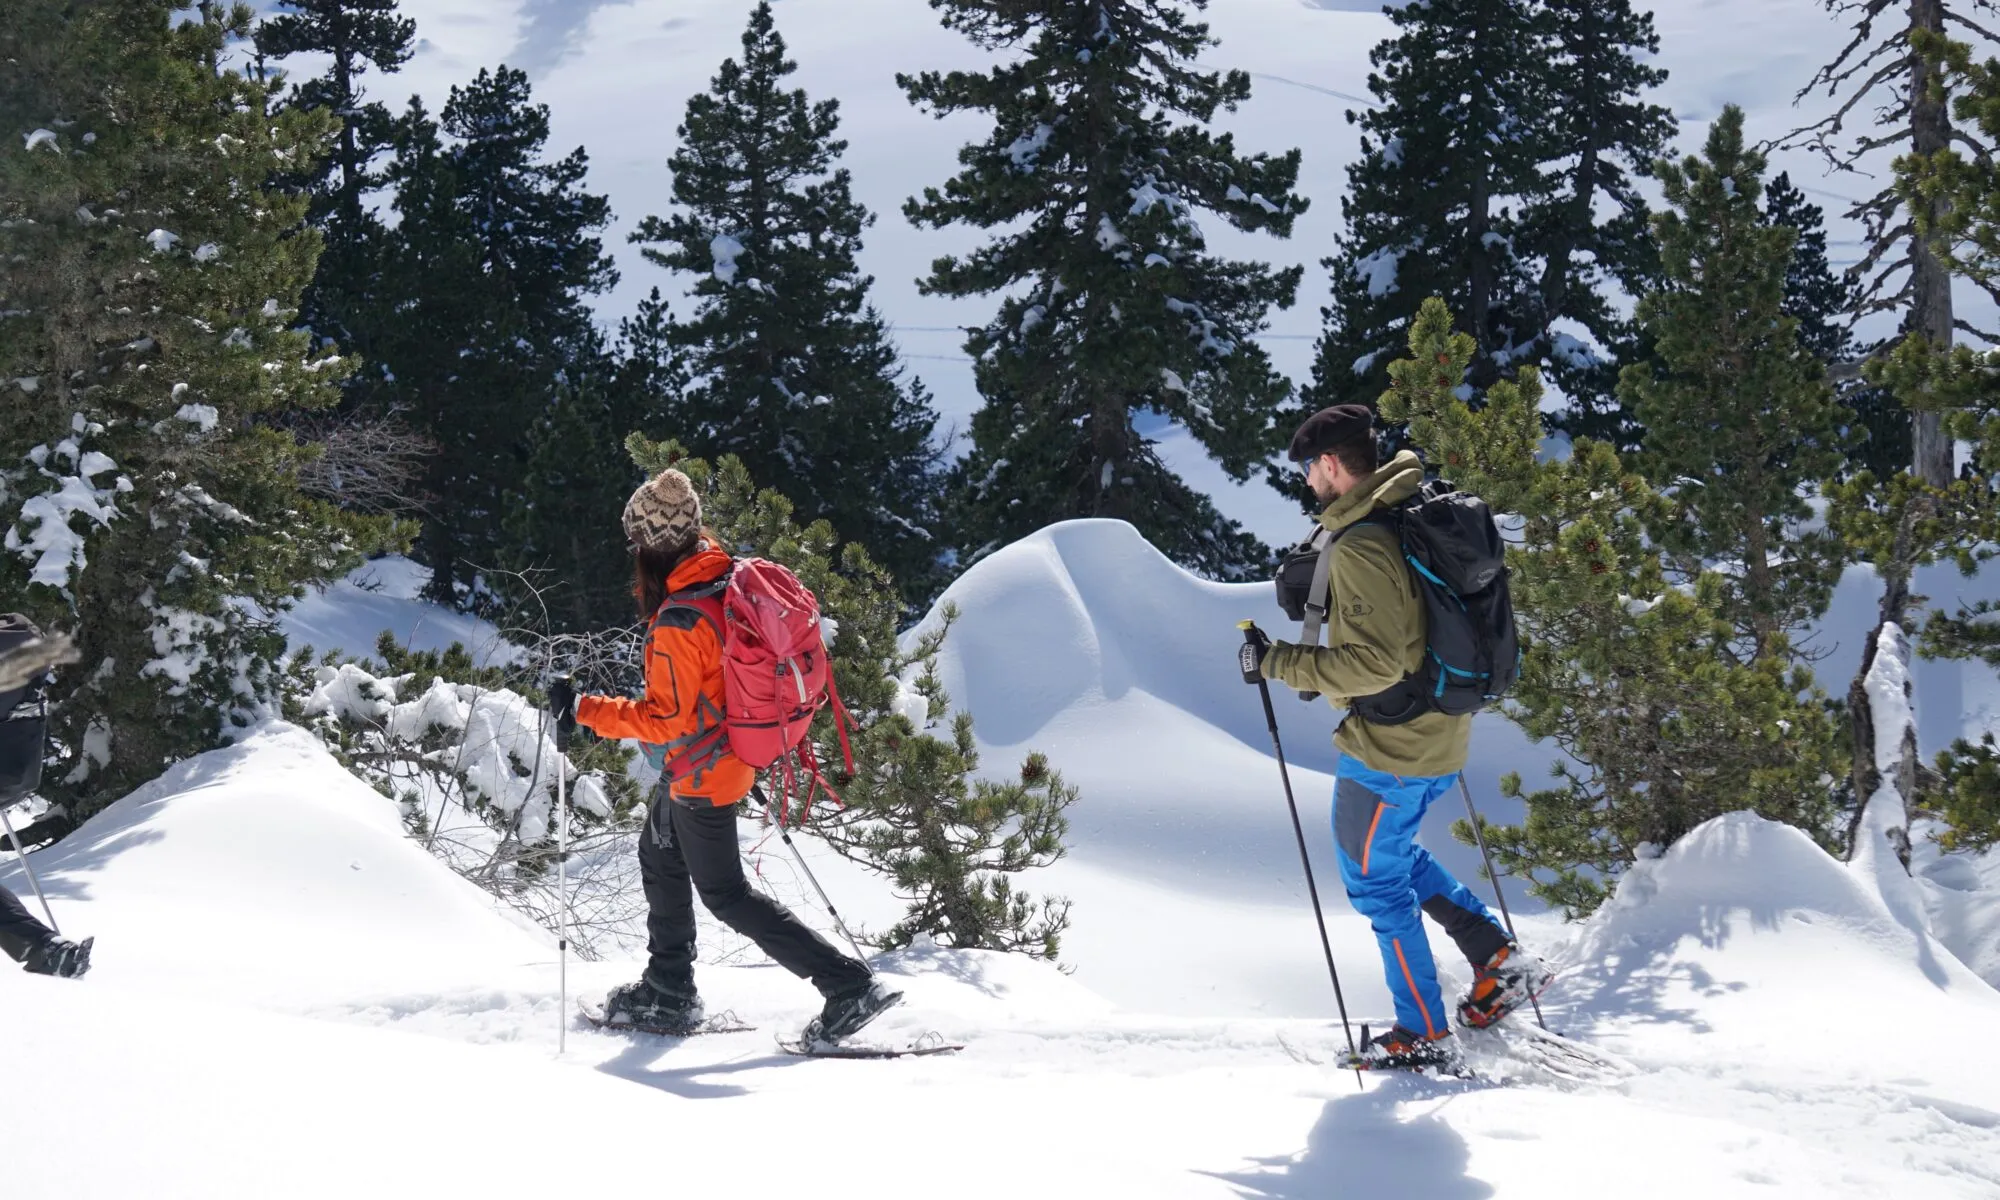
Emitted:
<point x="368" y="464"/>
<point x="1969" y="23"/>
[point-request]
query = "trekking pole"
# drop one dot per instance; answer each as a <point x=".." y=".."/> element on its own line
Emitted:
<point x="1247" y="656"/>
<point x="1479" y="835"/>
<point x="786" y="835"/>
<point x="23" y="856"/>
<point x="562" y="885"/>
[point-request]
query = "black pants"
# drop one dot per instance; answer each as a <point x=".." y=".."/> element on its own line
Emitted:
<point x="20" y="932"/>
<point x="685" y="845"/>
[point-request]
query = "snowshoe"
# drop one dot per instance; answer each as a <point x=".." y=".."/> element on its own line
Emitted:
<point x="1401" y="1050"/>
<point x="644" y="1006"/>
<point x="1511" y="978"/>
<point x="847" y="1012"/>
<point x="60" y="957"/>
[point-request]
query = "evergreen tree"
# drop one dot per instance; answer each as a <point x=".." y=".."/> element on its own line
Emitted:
<point x="792" y="368"/>
<point x="1098" y="160"/>
<point x="1739" y="418"/>
<point x="494" y="256"/>
<point x="1597" y="77"/>
<point x="1889" y="69"/>
<point x="912" y="809"/>
<point x="574" y="572"/>
<point x="1904" y="523"/>
<point x="1824" y="305"/>
<point x="1498" y="173"/>
<point x="355" y="36"/>
<point x="150" y="276"/>
<point x="1663" y="729"/>
<point x="652" y="371"/>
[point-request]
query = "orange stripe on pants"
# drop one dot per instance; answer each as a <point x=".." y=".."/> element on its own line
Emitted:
<point x="1368" y="847"/>
<point x="1430" y="1030"/>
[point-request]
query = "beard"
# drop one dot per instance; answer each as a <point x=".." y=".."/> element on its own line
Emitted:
<point x="1326" y="492"/>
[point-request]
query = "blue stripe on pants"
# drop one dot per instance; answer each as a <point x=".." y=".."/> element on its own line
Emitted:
<point x="1388" y="877"/>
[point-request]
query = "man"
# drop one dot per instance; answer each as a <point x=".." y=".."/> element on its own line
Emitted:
<point x="1392" y="764"/>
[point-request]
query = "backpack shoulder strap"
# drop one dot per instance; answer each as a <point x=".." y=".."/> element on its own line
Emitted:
<point x="1319" y="596"/>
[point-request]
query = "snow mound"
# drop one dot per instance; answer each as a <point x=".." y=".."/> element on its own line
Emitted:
<point x="1747" y="934"/>
<point x="266" y="870"/>
<point x="1107" y="615"/>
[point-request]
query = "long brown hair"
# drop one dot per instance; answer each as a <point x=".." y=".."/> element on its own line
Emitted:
<point x="652" y="566"/>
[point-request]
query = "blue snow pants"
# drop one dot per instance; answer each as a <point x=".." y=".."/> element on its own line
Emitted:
<point x="1394" y="883"/>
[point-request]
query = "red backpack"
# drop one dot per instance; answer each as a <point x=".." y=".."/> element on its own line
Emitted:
<point x="775" y="678"/>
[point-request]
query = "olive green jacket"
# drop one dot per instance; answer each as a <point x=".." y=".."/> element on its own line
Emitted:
<point x="1375" y="636"/>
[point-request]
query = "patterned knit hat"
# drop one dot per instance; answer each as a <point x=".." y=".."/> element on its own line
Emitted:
<point x="664" y="514"/>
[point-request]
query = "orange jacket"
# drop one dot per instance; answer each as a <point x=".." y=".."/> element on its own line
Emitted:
<point x="683" y="690"/>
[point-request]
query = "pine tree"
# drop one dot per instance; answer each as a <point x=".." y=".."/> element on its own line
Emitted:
<point x="1823" y="304"/>
<point x="493" y="257"/>
<point x="153" y="510"/>
<point x="1098" y="161"/>
<point x="1597" y="76"/>
<point x="354" y="36"/>
<point x="1498" y="173"/>
<point x="574" y="572"/>
<point x="913" y="810"/>
<point x="1662" y="729"/>
<point x="792" y="368"/>
<point x="1738" y="415"/>
<point x="1889" y="69"/>
<point x="652" y="371"/>
<point x="1453" y="147"/>
<point x="1903" y="522"/>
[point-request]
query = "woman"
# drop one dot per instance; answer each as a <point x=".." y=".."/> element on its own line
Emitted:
<point x="690" y="833"/>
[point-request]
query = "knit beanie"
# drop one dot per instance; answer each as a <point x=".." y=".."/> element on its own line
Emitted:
<point x="664" y="514"/>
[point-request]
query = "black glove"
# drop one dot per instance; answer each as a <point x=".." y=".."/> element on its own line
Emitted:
<point x="562" y="702"/>
<point x="1250" y="655"/>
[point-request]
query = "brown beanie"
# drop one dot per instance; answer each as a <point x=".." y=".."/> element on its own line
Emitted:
<point x="664" y="514"/>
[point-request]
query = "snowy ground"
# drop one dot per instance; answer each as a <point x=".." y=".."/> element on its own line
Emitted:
<point x="329" y="1011"/>
<point x="326" y="1011"/>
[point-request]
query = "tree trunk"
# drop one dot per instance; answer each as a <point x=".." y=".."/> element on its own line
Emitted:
<point x="1930" y="281"/>
<point x="1866" y="776"/>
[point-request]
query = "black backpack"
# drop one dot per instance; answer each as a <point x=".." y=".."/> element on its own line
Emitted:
<point x="1458" y="559"/>
<point x="24" y="716"/>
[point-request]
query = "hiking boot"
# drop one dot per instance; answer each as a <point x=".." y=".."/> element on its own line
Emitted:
<point x="1511" y="978"/>
<point x="59" y="957"/>
<point x="846" y="1012"/>
<point x="1401" y="1050"/>
<point x="644" y="1005"/>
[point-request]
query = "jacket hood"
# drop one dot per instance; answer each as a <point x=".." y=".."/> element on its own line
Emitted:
<point x="706" y="565"/>
<point x="1392" y="483"/>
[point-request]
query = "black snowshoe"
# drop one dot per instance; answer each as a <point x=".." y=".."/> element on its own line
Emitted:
<point x="59" y="957"/>
<point x="643" y="1005"/>
<point x="847" y="1013"/>
<point x="1401" y="1050"/>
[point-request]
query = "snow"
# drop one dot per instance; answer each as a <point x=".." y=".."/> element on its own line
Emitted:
<point x="161" y="241"/>
<point x="43" y="533"/>
<point x="202" y="416"/>
<point x="42" y="137"/>
<point x="379" y="597"/>
<point x="725" y="250"/>
<point x="354" y="975"/>
<point x="1027" y="149"/>
<point x="1377" y="271"/>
